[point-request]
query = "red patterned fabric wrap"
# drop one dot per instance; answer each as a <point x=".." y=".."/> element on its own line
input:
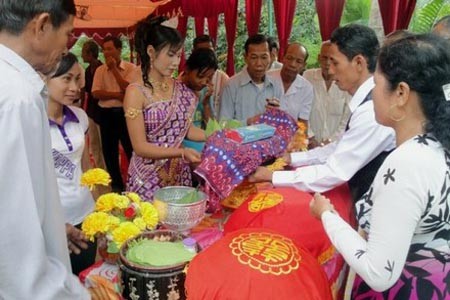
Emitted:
<point x="286" y="210"/>
<point x="256" y="264"/>
<point x="225" y="163"/>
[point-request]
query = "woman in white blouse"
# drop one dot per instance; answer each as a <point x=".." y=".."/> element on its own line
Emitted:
<point x="68" y="127"/>
<point x="405" y="215"/>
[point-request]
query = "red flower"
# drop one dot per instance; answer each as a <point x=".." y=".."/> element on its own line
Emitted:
<point x="130" y="212"/>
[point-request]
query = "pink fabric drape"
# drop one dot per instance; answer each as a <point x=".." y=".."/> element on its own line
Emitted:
<point x="213" y="24"/>
<point x="284" y="16"/>
<point x="170" y="9"/>
<point x="329" y="13"/>
<point x="253" y="15"/>
<point x="396" y="14"/>
<point x="231" y="25"/>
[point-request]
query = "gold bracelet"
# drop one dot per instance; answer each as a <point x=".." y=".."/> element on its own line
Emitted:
<point x="132" y="113"/>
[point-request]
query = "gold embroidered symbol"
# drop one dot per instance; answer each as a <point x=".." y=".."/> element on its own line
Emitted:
<point x="264" y="200"/>
<point x="266" y="252"/>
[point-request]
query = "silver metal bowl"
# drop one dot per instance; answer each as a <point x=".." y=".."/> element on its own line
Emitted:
<point x="179" y="216"/>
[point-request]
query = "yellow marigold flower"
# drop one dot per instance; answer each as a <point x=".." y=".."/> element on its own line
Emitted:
<point x="121" y="202"/>
<point x="114" y="222"/>
<point x="125" y="231"/>
<point x="134" y="197"/>
<point x="140" y="223"/>
<point x="95" y="176"/>
<point x="105" y="202"/>
<point x="96" y="222"/>
<point x="149" y="214"/>
<point x="279" y="164"/>
<point x="301" y="126"/>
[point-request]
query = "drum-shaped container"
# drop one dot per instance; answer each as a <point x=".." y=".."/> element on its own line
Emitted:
<point x="147" y="282"/>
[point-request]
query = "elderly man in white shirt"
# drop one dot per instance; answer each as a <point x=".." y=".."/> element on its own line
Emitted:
<point x="330" y="110"/>
<point x="34" y="262"/>
<point x="298" y="93"/>
<point x="358" y="154"/>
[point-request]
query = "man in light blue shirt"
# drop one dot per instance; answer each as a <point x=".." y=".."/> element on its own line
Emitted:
<point x="244" y="96"/>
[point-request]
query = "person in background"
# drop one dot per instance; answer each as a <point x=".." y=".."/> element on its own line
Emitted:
<point x="357" y="155"/>
<point x="442" y="27"/>
<point x="330" y="111"/>
<point x="274" y="63"/>
<point x="298" y="93"/>
<point x="405" y="212"/>
<point x="200" y="68"/>
<point x="213" y="91"/>
<point x="159" y="110"/>
<point x="110" y="82"/>
<point x="34" y="262"/>
<point x="305" y="55"/>
<point x="245" y="95"/>
<point x="89" y="53"/>
<point x="68" y="127"/>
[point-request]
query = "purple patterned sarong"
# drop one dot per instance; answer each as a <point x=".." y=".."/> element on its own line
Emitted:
<point x="426" y="275"/>
<point x="225" y="163"/>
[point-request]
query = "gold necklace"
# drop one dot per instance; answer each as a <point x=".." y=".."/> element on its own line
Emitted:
<point x="159" y="85"/>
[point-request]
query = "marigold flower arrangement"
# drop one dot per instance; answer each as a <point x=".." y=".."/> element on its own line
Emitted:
<point x="299" y="141"/>
<point x="117" y="217"/>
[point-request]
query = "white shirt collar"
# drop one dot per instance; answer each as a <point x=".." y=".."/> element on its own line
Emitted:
<point x="22" y="66"/>
<point x="361" y="93"/>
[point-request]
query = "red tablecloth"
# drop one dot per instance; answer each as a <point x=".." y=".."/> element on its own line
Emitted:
<point x="256" y="264"/>
<point x="286" y="210"/>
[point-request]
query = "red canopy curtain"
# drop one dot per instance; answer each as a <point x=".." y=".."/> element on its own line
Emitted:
<point x="329" y="13"/>
<point x="199" y="26"/>
<point x="182" y="28"/>
<point x="284" y="16"/>
<point x="213" y="24"/>
<point x="396" y="14"/>
<point x="253" y="15"/>
<point x="230" y="26"/>
<point x="204" y="8"/>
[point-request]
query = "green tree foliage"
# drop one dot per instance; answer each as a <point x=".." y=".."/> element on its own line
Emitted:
<point x="356" y="11"/>
<point x="305" y="29"/>
<point x="427" y="13"/>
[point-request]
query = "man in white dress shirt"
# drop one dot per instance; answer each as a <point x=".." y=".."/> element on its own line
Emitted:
<point x="34" y="260"/>
<point x="330" y="111"/>
<point x="298" y="93"/>
<point x="357" y="155"/>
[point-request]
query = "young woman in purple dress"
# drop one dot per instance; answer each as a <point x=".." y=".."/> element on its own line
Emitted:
<point x="159" y="111"/>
